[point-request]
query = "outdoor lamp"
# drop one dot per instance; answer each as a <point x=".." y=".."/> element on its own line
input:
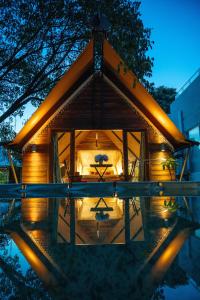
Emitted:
<point x="34" y="148"/>
<point x="163" y="147"/>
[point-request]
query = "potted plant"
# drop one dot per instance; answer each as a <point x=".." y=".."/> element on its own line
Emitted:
<point x="171" y="205"/>
<point x="170" y="164"/>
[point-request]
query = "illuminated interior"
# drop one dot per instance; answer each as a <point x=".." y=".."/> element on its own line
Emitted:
<point x="84" y="208"/>
<point x="89" y="144"/>
<point x="84" y="157"/>
<point x="97" y="221"/>
<point x="100" y="221"/>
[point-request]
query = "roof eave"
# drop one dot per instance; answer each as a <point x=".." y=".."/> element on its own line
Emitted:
<point x="69" y="79"/>
<point x="153" y="111"/>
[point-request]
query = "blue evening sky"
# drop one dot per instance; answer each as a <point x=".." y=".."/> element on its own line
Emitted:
<point x="176" y="32"/>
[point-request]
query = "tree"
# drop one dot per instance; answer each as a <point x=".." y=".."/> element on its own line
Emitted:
<point x="14" y="284"/>
<point x="40" y="40"/>
<point x="164" y="96"/>
<point x="7" y="132"/>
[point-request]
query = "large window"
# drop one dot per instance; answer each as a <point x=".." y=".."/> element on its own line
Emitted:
<point x="194" y="134"/>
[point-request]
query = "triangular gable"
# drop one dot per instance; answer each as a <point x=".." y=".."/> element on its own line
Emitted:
<point x="142" y="99"/>
<point x="138" y="96"/>
<point x="51" y="102"/>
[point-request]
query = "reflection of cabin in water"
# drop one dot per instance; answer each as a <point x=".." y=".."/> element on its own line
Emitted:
<point x="97" y="108"/>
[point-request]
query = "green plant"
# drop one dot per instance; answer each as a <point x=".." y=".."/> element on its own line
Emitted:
<point x="171" y="205"/>
<point x="169" y="164"/>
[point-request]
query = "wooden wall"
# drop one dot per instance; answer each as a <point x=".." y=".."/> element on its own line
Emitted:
<point x="156" y="172"/>
<point x="98" y="106"/>
<point x="35" y="169"/>
<point x="103" y="142"/>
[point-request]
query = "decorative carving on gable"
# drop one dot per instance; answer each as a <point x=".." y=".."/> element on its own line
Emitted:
<point x="108" y="106"/>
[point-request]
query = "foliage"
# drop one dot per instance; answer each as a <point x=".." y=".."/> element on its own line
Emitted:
<point x="7" y="132"/>
<point x="171" y="205"/>
<point x="14" y="284"/>
<point x="40" y="40"/>
<point x="164" y="96"/>
<point x="158" y="294"/>
<point x="4" y="176"/>
<point x="170" y="163"/>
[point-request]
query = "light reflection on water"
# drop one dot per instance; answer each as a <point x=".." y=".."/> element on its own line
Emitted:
<point x="162" y="252"/>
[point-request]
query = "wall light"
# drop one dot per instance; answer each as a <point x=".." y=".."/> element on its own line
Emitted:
<point x="162" y="147"/>
<point x="34" y="148"/>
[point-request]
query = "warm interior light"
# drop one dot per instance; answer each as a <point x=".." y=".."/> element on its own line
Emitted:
<point x="163" y="159"/>
<point x="168" y="255"/>
<point x="96" y="140"/>
<point x="85" y="158"/>
<point x="36" y="263"/>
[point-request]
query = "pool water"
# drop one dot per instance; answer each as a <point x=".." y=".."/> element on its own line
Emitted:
<point x="153" y="255"/>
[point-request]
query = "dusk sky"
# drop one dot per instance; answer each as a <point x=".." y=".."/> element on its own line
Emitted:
<point x="176" y="32"/>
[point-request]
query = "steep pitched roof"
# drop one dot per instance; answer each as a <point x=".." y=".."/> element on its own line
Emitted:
<point x="82" y="68"/>
<point x="55" y="97"/>
<point x="141" y="98"/>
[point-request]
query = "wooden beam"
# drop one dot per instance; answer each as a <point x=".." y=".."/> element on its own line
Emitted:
<point x="142" y="158"/>
<point x="125" y="154"/>
<point x="184" y="163"/>
<point x="121" y="141"/>
<point x="135" y="137"/>
<point x="72" y="202"/>
<point x="12" y="166"/>
<point x="146" y="155"/>
<point x="72" y="222"/>
<point x="72" y="153"/>
<point x="56" y="165"/>
<point x="127" y="221"/>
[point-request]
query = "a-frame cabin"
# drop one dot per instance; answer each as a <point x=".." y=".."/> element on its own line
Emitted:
<point x="97" y="107"/>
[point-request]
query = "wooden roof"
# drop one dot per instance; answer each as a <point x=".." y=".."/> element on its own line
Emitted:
<point x="57" y="95"/>
<point x="80" y="71"/>
<point x="140" y="97"/>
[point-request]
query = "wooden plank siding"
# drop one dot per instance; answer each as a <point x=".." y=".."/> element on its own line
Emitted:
<point x="101" y="108"/>
<point x="156" y="171"/>
<point x="97" y="107"/>
<point x="35" y="170"/>
<point x="103" y="142"/>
